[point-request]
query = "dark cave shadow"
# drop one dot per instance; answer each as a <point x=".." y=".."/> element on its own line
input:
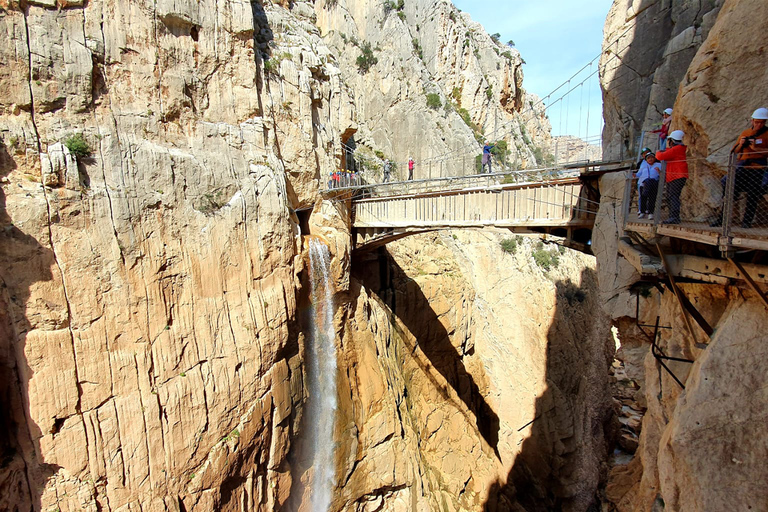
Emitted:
<point x="384" y="278"/>
<point x="23" y="262"/>
<point x="543" y="475"/>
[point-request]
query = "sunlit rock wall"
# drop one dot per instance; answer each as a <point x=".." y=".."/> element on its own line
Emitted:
<point x="699" y="447"/>
<point x="150" y="346"/>
<point x="423" y="48"/>
<point x="478" y="380"/>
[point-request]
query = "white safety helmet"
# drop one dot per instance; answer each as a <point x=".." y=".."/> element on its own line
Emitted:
<point x="761" y="113"/>
<point x="676" y="135"/>
<point x="668" y="111"/>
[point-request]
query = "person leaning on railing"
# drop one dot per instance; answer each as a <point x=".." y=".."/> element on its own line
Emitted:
<point x="751" y="151"/>
<point x="676" y="175"/>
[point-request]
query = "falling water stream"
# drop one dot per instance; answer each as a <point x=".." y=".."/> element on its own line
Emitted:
<point x="321" y="376"/>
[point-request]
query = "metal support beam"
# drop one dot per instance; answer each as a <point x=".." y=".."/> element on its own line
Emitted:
<point x="750" y="281"/>
<point x="685" y="304"/>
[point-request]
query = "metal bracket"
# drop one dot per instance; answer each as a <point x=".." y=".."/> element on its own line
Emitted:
<point x="750" y="281"/>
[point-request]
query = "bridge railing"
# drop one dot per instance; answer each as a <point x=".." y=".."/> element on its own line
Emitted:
<point x="554" y="203"/>
<point x="737" y="214"/>
<point x="526" y="176"/>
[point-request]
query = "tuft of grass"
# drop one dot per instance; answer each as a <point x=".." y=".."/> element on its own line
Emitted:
<point x="417" y="48"/>
<point x="433" y="101"/>
<point x="367" y="59"/>
<point x="77" y="145"/>
<point x="509" y="245"/>
<point x="546" y="259"/>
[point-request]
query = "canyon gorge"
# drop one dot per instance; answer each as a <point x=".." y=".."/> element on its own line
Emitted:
<point x="167" y="248"/>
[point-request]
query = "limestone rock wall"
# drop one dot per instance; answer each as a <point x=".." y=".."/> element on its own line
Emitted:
<point x="705" y="60"/>
<point x="430" y="48"/>
<point x="478" y="381"/>
<point x="150" y="258"/>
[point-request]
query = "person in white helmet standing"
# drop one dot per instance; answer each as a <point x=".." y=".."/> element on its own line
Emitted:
<point x="676" y="175"/>
<point x="751" y="150"/>
<point x="666" y="119"/>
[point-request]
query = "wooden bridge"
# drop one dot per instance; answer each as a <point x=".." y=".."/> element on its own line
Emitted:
<point x="561" y="202"/>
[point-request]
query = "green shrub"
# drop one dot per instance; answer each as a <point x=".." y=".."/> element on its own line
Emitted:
<point x="456" y="95"/>
<point x="489" y="92"/>
<point x="433" y="101"/>
<point x="389" y="6"/>
<point x="542" y="157"/>
<point x="509" y="245"/>
<point x="379" y="154"/>
<point x="401" y="15"/>
<point x="417" y="48"/>
<point x="77" y="145"/>
<point x="546" y="259"/>
<point x="496" y="37"/>
<point x="367" y="59"/>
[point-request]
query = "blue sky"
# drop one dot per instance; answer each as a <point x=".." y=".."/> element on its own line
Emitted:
<point x="556" y="38"/>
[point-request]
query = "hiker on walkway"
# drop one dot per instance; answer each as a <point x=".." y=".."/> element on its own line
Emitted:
<point x="751" y="151"/>
<point x="487" y="156"/>
<point x="666" y="119"/>
<point x="411" y="163"/>
<point x="677" y="173"/>
<point x="648" y="185"/>
<point x="387" y="169"/>
<point x="639" y="163"/>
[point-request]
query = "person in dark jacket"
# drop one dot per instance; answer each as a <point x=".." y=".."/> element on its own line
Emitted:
<point x="751" y="150"/>
<point x="487" y="156"/>
<point x="676" y="175"/>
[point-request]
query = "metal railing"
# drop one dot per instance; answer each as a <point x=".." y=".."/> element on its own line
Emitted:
<point x="738" y="211"/>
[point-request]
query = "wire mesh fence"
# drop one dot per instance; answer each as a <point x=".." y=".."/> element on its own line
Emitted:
<point x="738" y="207"/>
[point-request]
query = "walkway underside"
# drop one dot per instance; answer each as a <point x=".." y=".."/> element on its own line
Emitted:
<point x="575" y="236"/>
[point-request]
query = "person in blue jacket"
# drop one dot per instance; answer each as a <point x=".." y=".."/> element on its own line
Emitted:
<point x="487" y="156"/>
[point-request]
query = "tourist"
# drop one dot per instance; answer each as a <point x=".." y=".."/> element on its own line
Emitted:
<point x="487" y="157"/>
<point x="751" y="151"/>
<point x="640" y="162"/>
<point x="677" y="173"/>
<point x="666" y="119"/>
<point x="387" y="169"/>
<point x="648" y="185"/>
<point x="411" y="163"/>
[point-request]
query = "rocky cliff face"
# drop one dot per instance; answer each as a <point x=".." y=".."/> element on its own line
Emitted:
<point x="150" y="280"/>
<point x="439" y="85"/>
<point x="153" y="158"/>
<point x="697" y="448"/>
<point x="478" y="379"/>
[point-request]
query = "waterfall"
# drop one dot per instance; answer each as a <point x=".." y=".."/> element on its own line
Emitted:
<point x="321" y="378"/>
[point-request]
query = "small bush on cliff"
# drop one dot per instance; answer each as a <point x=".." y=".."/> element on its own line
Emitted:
<point x="367" y="59"/>
<point x="509" y="245"/>
<point x="433" y="101"/>
<point x="546" y="259"/>
<point x="77" y="145"/>
<point x="417" y="48"/>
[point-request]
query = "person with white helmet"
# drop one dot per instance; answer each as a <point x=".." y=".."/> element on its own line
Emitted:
<point x="751" y="150"/>
<point x="666" y="119"/>
<point x="677" y="173"/>
<point x="648" y="184"/>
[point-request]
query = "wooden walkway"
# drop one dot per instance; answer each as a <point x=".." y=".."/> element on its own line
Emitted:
<point x="563" y="207"/>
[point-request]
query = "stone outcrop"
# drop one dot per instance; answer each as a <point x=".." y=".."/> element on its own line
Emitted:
<point x="150" y="254"/>
<point x="158" y="162"/>
<point x="696" y="447"/>
<point x="422" y="49"/>
<point x="474" y="389"/>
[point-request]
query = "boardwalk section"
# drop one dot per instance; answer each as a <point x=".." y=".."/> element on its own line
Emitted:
<point x="563" y="207"/>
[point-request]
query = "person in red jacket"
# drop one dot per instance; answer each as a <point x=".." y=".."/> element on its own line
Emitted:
<point x="751" y="149"/>
<point x="677" y="173"/>
<point x="664" y="130"/>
